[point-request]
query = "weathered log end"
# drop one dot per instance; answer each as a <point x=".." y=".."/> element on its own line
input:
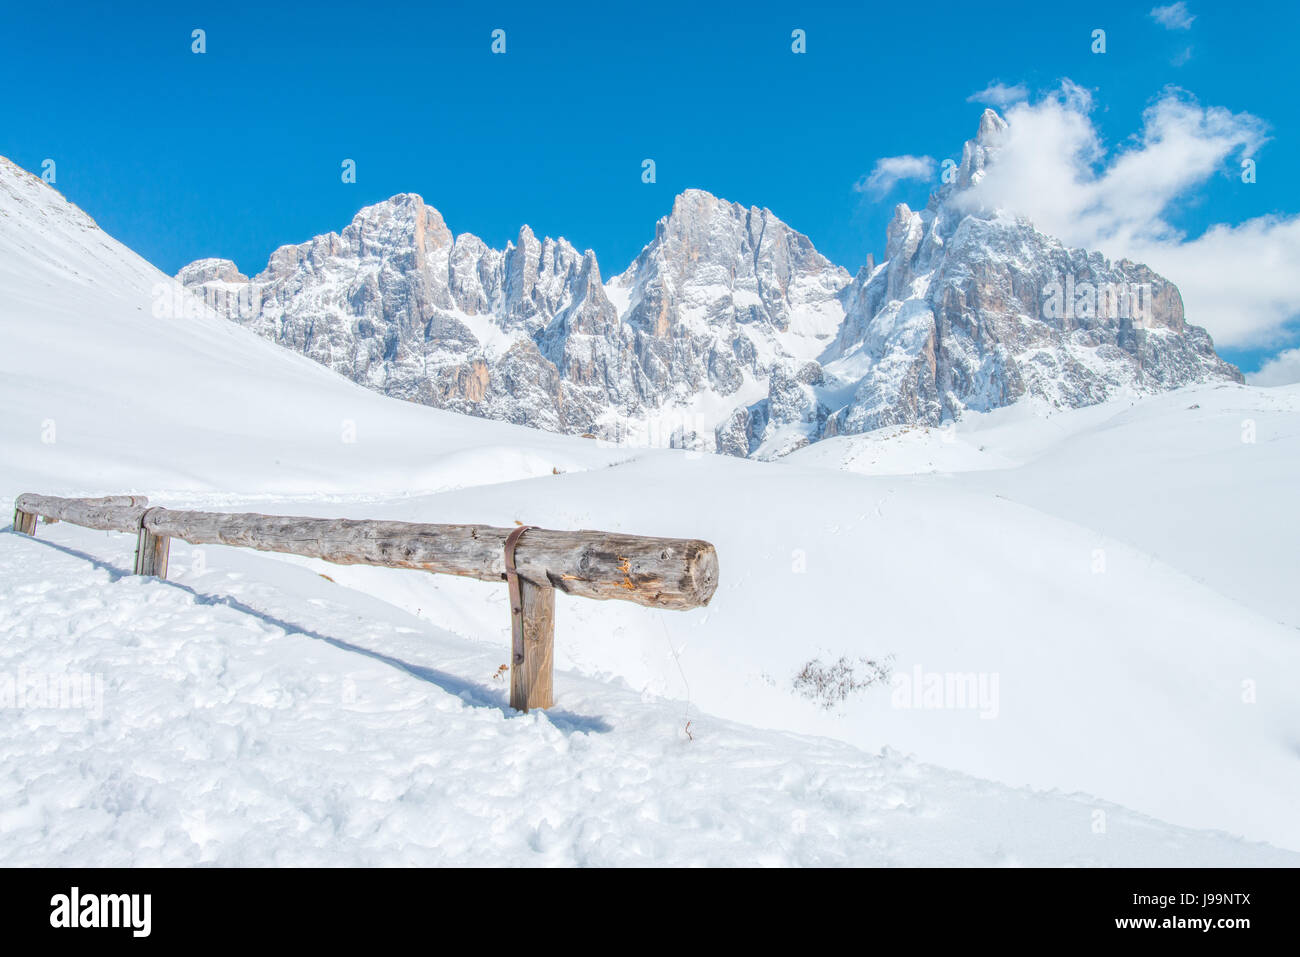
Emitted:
<point x="701" y="572"/>
<point x="656" y="572"/>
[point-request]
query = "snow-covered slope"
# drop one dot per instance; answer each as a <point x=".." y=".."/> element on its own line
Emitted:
<point x="1200" y="479"/>
<point x="254" y="711"/>
<point x="115" y="378"/>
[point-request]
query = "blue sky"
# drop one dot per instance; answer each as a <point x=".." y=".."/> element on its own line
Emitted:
<point x="236" y="151"/>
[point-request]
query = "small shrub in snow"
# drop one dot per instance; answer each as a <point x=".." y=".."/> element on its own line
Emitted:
<point x="830" y="685"/>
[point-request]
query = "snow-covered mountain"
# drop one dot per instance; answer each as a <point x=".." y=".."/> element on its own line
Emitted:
<point x="82" y="317"/>
<point x="530" y="334"/>
<point x="729" y="332"/>
<point x="1132" y="667"/>
<point x="975" y="309"/>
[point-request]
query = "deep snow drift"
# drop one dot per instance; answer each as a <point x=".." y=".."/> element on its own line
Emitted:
<point x="1115" y="579"/>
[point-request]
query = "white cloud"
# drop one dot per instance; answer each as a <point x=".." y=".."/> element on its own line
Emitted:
<point x="1282" y="369"/>
<point x="1052" y="167"/>
<point x="999" y="95"/>
<point x="891" y="170"/>
<point x="1175" y="16"/>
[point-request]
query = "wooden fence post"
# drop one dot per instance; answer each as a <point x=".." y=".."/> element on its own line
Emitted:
<point x="151" y="552"/>
<point x="533" y="629"/>
<point x="532" y="633"/>
<point x="24" y="522"/>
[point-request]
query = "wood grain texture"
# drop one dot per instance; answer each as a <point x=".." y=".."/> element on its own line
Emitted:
<point x="532" y="682"/>
<point x="24" y="522"/>
<point x="113" y="514"/>
<point x="151" y="553"/>
<point x="659" y="572"/>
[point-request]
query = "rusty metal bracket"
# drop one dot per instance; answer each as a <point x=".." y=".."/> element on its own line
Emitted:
<point x="516" y="593"/>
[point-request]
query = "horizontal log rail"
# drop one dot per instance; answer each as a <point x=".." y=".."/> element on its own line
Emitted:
<point x="111" y="513"/>
<point x="657" y="572"/>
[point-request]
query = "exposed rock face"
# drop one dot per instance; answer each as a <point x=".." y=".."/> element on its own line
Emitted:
<point x="205" y="271"/>
<point x="729" y="332"/>
<point x="974" y="309"/>
<point x="529" y="334"/>
<point x="723" y="291"/>
<point x="399" y="304"/>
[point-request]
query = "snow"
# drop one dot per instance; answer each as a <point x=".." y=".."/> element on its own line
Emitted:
<point x="1202" y="478"/>
<point x="619" y="294"/>
<point x="255" y="712"/>
<point x="259" y="715"/>
<point x="687" y="423"/>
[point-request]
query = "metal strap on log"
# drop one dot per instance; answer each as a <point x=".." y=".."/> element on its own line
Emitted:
<point x="516" y="597"/>
<point x="656" y="572"/>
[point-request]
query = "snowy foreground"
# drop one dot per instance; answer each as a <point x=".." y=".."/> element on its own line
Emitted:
<point x="1119" y="581"/>
<point x="260" y="715"/>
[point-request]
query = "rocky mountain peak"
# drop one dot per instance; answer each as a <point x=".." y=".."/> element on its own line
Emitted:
<point x="203" y="271"/>
<point x="714" y="263"/>
<point x="974" y="309"/>
<point x="725" y="308"/>
<point x="976" y="153"/>
<point x="991" y="128"/>
<point x="402" y="220"/>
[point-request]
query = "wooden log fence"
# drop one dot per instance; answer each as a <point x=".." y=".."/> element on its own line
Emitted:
<point x="534" y="562"/>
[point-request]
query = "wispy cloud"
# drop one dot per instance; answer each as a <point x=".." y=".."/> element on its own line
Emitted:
<point x="1175" y="16"/>
<point x="999" y="95"/>
<point x="1282" y="369"/>
<point x="1052" y="167"/>
<point x="892" y="170"/>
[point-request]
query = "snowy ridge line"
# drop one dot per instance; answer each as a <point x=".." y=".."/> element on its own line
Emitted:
<point x="657" y="572"/>
<point x="729" y="332"/>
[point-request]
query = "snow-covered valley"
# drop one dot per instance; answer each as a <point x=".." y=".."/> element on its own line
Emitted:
<point x="1119" y="580"/>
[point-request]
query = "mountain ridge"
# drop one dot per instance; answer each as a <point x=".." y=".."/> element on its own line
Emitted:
<point x="729" y="331"/>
